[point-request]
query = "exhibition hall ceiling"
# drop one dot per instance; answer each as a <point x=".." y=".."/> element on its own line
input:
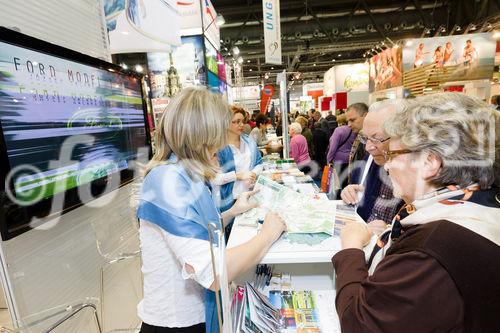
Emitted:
<point x="317" y="34"/>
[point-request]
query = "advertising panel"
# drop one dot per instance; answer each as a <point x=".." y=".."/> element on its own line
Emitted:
<point x="210" y="27"/>
<point x="386" y="69"/>
<point x="190" y="13"/>
<point x="272" y="31"/>
<point x="136" y="26"/>
<point x="352" y="77"/>
<point x="221" y="65"/>
<point x="187" y="64"/>
<point x="211" y="57"/>
<point x="329" y="82"/>
<point x="470" y="56"/>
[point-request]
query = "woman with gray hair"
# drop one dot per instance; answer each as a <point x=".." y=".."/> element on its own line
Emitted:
<point x="437" y="269"/>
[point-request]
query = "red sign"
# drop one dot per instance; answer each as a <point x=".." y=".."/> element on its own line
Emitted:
<point x="265" y="97"/>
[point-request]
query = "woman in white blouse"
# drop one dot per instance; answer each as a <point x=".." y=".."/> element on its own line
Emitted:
<point x="240" y="162"/>
<point x="175" y="209"/>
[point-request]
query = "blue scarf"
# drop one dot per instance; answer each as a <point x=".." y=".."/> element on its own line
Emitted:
<point x="226" y="161"/>
<point x="184" y="208"/>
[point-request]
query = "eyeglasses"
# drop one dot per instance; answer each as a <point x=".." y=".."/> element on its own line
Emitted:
<point x="390" y="154"/>
<point x="364" y="139"/>
<point x="237" y="122"/>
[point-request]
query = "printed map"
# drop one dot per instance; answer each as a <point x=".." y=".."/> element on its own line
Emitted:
<point x="302" y="213"/>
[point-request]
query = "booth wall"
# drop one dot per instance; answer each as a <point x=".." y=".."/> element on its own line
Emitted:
<point x="60" y="264"/>
<point x="75" y="24"/>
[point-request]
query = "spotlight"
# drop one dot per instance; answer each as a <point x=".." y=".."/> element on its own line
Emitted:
<point x="139" y="68"/>
<point x="239" y="60"/>
<point x="236" y="50"/>
<point x="220" y="20"/>
<point x="409" y="43"/>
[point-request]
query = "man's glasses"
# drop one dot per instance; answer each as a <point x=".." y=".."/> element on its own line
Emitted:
<point x="364" y="139"/>
<point x="390" y="154"/>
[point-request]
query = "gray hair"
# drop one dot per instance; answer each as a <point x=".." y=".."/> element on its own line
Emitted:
<point x="360" y="108"/>
<point x="296" y="127"/>
<point x="387" y="103"/>
<point x="458" y="129"/>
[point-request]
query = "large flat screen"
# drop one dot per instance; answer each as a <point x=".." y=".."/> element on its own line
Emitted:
<point x="70" y="126"/>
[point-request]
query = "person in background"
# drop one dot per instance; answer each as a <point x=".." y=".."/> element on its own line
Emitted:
<point x="339" y="147"/>
<point x="331" y="124"/>
<point x="258" y="133"/>
<point x="320" y="142"/>
<point x="298" y="145"/>
<point x="272" y="114"/>
<point x="240" y="163"/>
<point x="306" y="132"/>
<point x="373" y="195"/>
<point x="341" y="119"/>
<point x="246" y="127"/>
<point x="355" y="115"/>
<point x="439" y="258"/>
<point x="310" y="118"/>
<point x="495" y="102"/>
<point x="175" y="210"/>
<point x="251" y="122"/>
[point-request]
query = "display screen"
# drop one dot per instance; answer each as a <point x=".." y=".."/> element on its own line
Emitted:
<point x="65" y="124"/>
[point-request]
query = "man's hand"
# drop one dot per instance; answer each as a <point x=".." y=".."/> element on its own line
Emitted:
<point x="355" y="235"/>
<point x="377" y="227"/>
<point x="350" y="193"/>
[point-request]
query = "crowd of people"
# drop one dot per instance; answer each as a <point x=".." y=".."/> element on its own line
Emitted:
<point x="421" y="173"/>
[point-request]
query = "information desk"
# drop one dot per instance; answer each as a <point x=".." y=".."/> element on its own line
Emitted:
<point x="309" y="266"/>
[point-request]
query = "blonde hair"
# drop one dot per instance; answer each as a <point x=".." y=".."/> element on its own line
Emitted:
<point x="193" y="126"/>
<point x="302" y="121"/>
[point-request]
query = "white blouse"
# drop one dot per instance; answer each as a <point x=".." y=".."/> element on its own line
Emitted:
<point x="242" y="161"/>
<point x="172" y="296"/>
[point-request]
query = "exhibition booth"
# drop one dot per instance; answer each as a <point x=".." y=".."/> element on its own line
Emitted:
<point x="76" y="125"/>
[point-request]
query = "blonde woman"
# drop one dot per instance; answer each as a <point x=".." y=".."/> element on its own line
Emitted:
<point x="175" y="209"/>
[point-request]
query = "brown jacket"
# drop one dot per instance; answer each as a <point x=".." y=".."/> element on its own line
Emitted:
<point x="437" y="277"/>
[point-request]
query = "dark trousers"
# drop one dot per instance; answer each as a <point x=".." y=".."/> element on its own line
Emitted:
<point x="146" y="328"/>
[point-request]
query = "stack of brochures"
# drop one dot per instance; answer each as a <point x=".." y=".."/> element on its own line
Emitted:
<point x="252" y="312"/>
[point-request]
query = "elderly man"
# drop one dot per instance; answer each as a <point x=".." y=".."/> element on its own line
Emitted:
<point x="439" y="271"/>
<point x="372" y="189"/>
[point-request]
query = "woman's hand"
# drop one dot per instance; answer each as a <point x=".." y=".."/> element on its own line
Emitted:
<point x="273" y="227"/>
<point x="246" y="176"/>
<point x="243" y="203"/>
<point x="355" y="235"/>
<point x="377" y="227"/>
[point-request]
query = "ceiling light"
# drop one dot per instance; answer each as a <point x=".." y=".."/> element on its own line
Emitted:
<point x="266" y="76"/>
<point x="248" y="60"/>
<point x="124" y="66"/>
<point x="239" y="60"/>
<point x="458" y="28"/>
<point x="220" y="20"/>
<point x="250" y="70"/>
<point x="139" y="68"/>
<point x="236" y="50"/>
<point x="339" y="55"/>
<point x="272" y="67"/>
<point x="496" y="34"/>
<point x="314" y="64"/>
<point x="333" y="60"/>
<point x="473" y="27"/>
<point x="409" y="43"/>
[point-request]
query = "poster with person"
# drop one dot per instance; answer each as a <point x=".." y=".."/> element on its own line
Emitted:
<point x="385" y="69"/>
<point x="464" y="57"/>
